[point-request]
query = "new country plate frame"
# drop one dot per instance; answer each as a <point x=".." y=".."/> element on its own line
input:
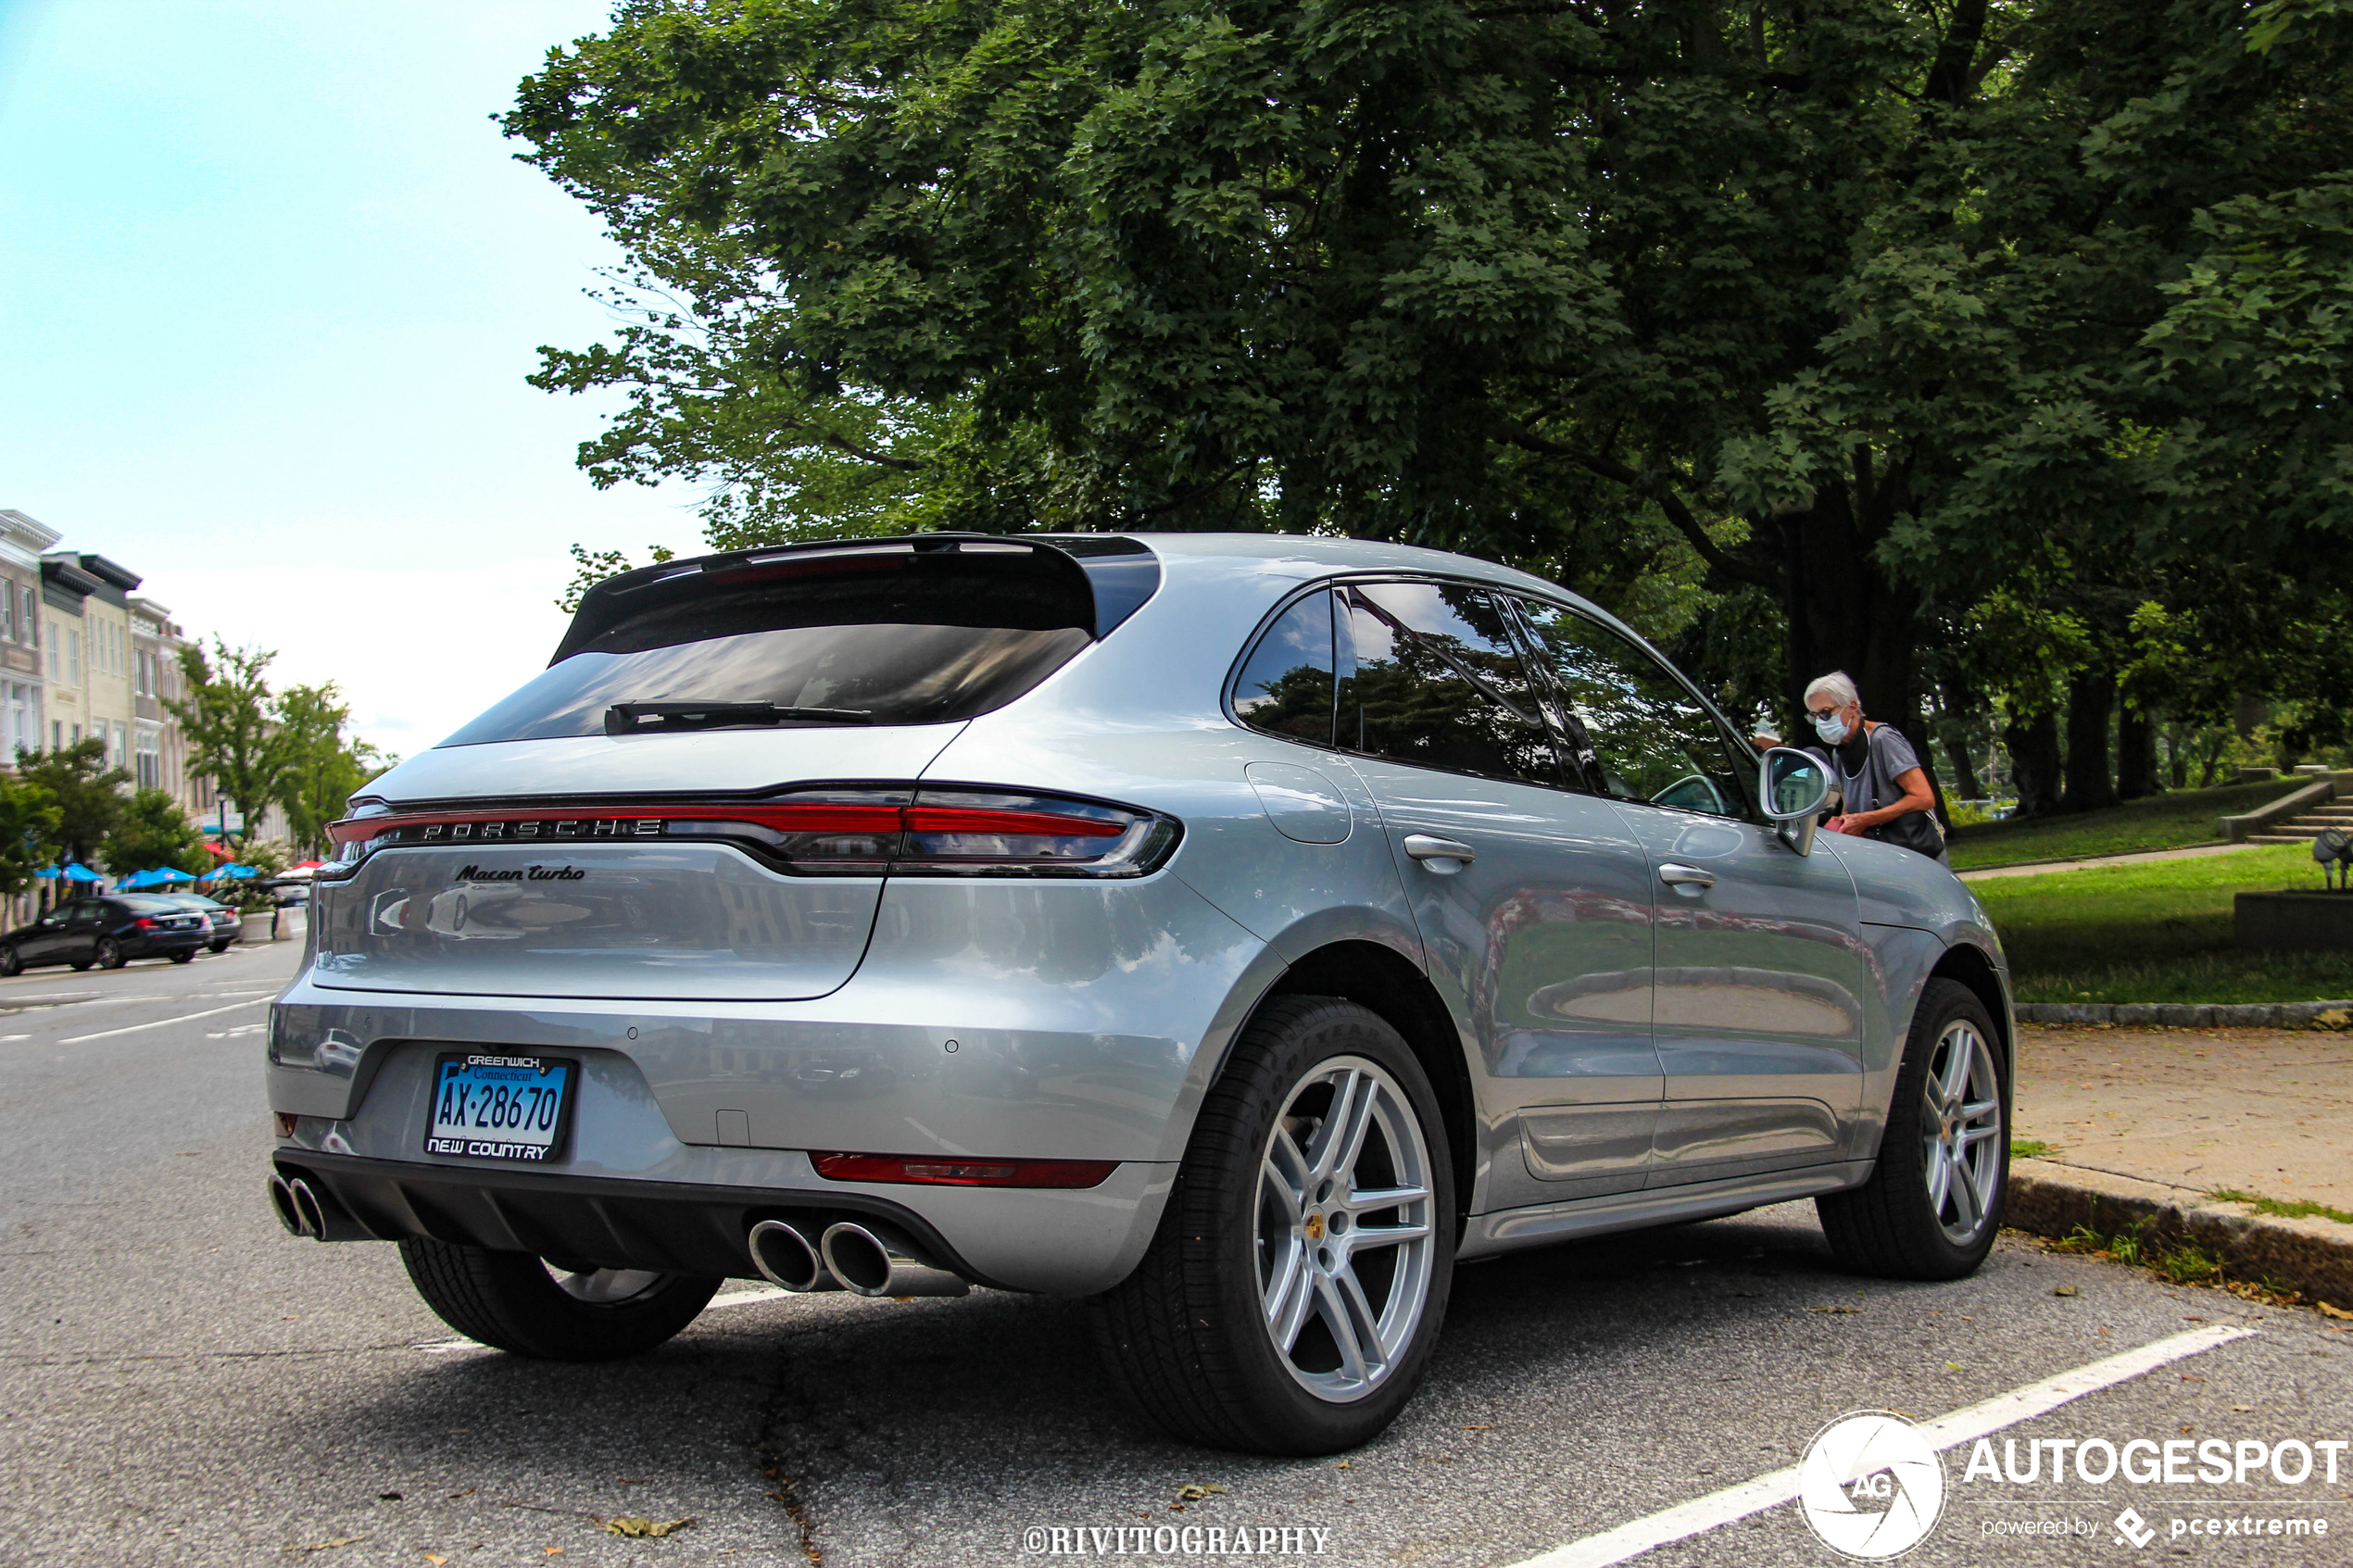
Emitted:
<point x="525" y="1154"/>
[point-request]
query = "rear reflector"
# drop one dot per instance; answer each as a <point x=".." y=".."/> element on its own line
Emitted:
<point x="934" y="1172"/>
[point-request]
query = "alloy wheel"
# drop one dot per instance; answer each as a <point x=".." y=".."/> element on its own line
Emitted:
<point x="1344" y="1229"/>
<point x="1961" y="1130"/>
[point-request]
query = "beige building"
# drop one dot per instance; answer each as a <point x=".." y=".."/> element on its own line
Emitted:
<point x="159" y="759"/>
<point x="86" y="626"/>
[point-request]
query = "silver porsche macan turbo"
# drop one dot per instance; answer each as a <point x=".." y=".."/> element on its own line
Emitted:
<point x="1235" y="930"/>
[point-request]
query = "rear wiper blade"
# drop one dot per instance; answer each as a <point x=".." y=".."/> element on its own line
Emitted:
<point x="636" y="718"/>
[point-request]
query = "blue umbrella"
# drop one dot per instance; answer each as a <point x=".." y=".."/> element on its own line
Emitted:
<point x="231" y="870"/>
<point x="167" y="873"/>
<point x="82" y="874"/>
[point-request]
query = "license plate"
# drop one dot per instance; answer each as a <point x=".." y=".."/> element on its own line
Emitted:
<point x="500" y="1107"/>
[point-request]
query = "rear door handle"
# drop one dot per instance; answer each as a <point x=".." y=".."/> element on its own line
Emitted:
<point x="1422" y="847"/>
<point x="1685" y="876"/>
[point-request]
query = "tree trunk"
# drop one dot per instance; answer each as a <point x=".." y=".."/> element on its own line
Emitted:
<point x="2137" y="774"/>
<point x="1844" y="614"/>
<point x="2091" y="699"/>
<point x="2035" y="762"/>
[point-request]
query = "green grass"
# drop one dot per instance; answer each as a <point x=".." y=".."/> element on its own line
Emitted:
<point x="2164" y="822"/>
<point x="2262" y="1205"/>
<point x="2030" y="1148"/>
<point x="2156" y="931"/>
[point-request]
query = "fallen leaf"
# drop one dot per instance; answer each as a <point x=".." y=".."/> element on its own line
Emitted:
<point x="553" y="1550"/>
<point x="1952" y="1366"/>
<point x="466" y="1493"/>
<point x="2187" y="1378"/>
<point x="638" y="1528"/>
<point x="326" y="1546"/>
<point x="2329" y="1311"/>
<point x="2242" y="1407"/>
<point x="1195" y="1494"/>
<point x="387" y="1497"/>
<point x="1834" y="1309"/>
<point x="1487" y="1428"/>
<point x="435" y="1558"/>
<point x="2067" y="1290"/>
<point x="1342" y="1465"/>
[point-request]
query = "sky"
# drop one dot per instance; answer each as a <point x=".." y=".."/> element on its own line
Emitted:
<point x="269" y="283"/>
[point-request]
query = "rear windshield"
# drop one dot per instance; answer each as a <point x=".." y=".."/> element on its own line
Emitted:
<point x="893" y="634"/>
<point x="138" y="905"/>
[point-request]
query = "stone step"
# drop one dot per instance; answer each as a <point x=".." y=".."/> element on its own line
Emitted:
<point x="2285" y="833"/>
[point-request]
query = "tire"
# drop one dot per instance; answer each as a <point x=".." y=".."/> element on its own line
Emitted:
<point x="108" y="953"/>
<point x="10" y="961"/>
<point x="183" y="955"/>
<point x="1905" y="1223"/>
<point x="513" y="1301"/>
<point x="1185" y="1338"/>
<point x="216" y="946"/>
<point x="80" y="964"/>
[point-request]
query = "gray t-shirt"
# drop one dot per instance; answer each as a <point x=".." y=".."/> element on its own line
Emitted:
<point x="1888" y="758"/>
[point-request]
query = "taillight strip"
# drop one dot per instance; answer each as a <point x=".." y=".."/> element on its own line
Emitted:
<point x="808" y="817"/>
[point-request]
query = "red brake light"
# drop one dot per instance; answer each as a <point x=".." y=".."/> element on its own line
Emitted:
<point x="930" y="1170"/>
<point x="144" y="923"/>
<point x="871" y="831"/>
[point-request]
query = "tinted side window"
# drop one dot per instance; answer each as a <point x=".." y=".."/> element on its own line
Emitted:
<point x="1286" y="684"/>
<point x="1651" y="740"/>
<point x="1436" y="681"/>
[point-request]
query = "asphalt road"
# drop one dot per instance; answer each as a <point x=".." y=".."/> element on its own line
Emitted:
<point x="182" y="1382"/>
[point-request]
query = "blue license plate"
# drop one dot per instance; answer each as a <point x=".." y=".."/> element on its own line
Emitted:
<point x="500" y="1107"/>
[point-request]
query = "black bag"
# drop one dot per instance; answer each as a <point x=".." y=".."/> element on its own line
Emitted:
<point x="1913" y="830"/>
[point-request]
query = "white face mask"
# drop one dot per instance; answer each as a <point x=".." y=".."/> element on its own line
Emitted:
<point x="1833" y="729"/>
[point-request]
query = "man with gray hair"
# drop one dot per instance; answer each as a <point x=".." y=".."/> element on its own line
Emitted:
<point x="1886" y="790"/>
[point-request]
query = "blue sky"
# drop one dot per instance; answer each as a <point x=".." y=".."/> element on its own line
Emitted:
<point x="269" y="282"/>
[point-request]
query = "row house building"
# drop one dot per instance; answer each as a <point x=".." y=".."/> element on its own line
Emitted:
<point x="82" y="657"/>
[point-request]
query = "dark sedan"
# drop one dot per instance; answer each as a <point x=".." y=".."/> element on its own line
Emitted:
<point x="224" y="920"/>
<point x="106" y="931"/>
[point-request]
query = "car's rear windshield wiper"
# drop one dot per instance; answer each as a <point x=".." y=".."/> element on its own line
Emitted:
<point x="636" y="718"/>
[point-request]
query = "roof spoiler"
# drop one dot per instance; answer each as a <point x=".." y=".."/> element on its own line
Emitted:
<point x="633" y="593"/>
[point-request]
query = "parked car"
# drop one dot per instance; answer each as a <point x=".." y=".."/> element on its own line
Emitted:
<point x="108" y="932"/>
<point x="223" y="921"/>
<point x="1236" y="931"/>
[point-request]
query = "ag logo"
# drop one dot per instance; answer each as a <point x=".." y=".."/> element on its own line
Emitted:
<point x="1871" y="1486"/>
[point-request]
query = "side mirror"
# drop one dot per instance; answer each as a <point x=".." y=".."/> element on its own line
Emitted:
<point x="1796" y="786"/>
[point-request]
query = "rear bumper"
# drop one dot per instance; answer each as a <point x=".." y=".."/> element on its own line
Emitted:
<point x="164" y="944"/>
<point x="1054" y="1242"/>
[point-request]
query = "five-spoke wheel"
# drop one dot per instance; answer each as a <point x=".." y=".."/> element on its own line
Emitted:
<point x="1292" y="1294"/>
<point x="1933" y="1202"/>
<point x="1344" y="1231"/>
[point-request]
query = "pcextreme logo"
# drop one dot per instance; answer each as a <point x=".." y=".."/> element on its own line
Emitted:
<point x="1871" y="1486"/>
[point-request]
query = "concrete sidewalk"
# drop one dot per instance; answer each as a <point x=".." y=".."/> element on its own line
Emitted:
<point x="2265" y="1110"/>
<point x="2143" y="1125"/>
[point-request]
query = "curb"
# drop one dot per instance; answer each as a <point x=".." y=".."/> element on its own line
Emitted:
<point x="2314" y="1256"/>
<point x="2193" y="1015"/>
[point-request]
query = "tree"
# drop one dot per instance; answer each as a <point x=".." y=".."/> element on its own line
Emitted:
<point x="29" y="825"/>
<point x="226" y="719"/>
<point x="1877" y="308"/>
<point x="85" y="792"/>
<point x="324" y="766"/>
<point x="151" y="831"/>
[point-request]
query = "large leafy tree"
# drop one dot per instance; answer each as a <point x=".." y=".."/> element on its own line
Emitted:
<point x="324" y="764"/>
<point x="85" y="794"/>
<point x="1878" y="310"/>
<point x="229" y="727"/>
<point x="30" y="819"/>
<point x="151" y="832"/>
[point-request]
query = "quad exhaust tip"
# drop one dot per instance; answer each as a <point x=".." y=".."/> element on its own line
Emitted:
<point x="306" y="1212"/>
<point x="787" y="1259"/>
<point x="281" y="1203"/>
<point x="874" y="1258"/>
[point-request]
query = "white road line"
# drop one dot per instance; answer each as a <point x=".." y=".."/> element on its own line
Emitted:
<point x="734" y="1299"/>
<point x="183" y="1017"/>
<point x="1722" y="1508"/>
